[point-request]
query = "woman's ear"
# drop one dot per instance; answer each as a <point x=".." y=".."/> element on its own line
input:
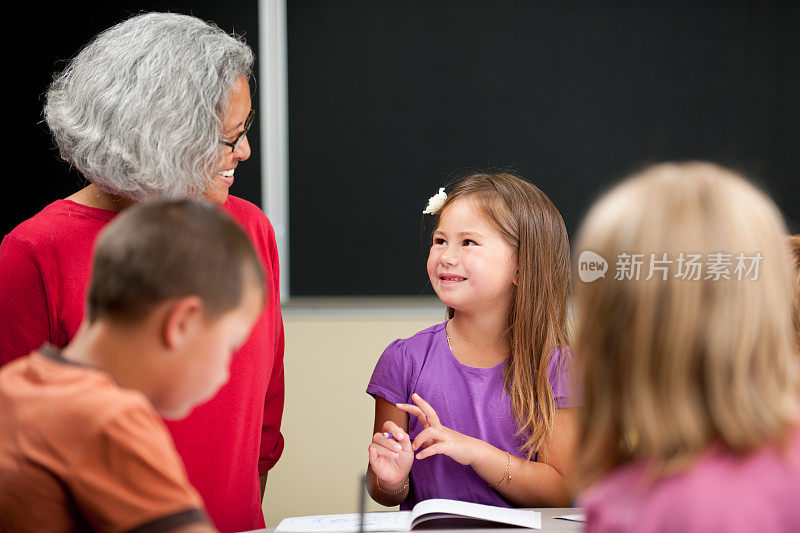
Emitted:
<point x="183" y="318"/>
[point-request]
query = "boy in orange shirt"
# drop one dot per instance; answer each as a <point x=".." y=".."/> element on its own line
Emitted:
<point x="176" y="288"/>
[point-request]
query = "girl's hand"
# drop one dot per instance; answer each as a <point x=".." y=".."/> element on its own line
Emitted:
<point x="390" y="459"/>
<point x="437" y="439"/>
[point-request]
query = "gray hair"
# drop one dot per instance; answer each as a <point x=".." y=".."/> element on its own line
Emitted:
<point x="139" y="110"/>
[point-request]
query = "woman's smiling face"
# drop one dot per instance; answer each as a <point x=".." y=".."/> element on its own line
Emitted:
<point x="238" y="109"/>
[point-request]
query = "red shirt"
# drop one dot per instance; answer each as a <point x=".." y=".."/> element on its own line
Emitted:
<point x="45" y="265"/>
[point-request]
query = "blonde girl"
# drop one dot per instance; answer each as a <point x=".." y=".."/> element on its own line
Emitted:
<point x="794" y="244"/>
<point x="478" y="408"/>
<point x="691" y="375"/>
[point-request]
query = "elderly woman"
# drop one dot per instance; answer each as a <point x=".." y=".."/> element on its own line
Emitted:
<point x="156" y="106"/>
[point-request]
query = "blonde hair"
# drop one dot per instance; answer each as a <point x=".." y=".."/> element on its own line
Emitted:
<point x="672" y="366"/>
<point x="794" y="244"/>
<point x="537" y="319"/>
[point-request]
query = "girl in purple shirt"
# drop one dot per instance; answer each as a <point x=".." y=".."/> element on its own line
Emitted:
<point x="691" y="376"/>
<point x="479" y="408"/>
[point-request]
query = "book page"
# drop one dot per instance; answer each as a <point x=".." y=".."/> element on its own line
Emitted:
<point x="438" y="507"/>
<point x="346" y="523"/>
<point x="572" y="517"/>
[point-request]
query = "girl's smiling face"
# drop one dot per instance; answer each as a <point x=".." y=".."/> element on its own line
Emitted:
<point x="470" y="265"/>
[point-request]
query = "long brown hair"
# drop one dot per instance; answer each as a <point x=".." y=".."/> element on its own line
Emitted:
<point x="537" y="318"/>
<point x="673" y="365"/>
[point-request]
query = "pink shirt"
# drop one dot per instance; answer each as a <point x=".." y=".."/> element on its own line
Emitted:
<point x="720" y="492"/>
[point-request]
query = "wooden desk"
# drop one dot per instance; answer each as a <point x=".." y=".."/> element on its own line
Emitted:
<point x="548" y="524"/>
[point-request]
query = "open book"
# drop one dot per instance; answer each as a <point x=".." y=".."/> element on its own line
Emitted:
<point x="407" y="520"/>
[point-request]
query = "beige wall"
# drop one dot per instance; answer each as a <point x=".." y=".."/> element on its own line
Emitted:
<point x="328" y="418"/>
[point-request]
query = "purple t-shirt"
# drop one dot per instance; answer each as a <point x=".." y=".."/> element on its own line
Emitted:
<point x="469" y="400"/>
<point x="720" y="492"/>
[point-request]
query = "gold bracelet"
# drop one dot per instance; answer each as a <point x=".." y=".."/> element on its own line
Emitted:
<point x="404" y="487"/>
<point x="507" y="473"/>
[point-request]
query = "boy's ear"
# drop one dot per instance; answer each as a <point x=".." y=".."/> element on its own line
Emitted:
<point x="181" y="321"/>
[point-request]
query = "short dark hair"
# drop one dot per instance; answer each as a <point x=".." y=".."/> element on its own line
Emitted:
<point x="159" y="250"/>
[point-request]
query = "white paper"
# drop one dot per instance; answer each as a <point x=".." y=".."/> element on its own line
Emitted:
<point x="405" y="520"/>
<point x="515" y="517"/>
<point x="573" y="517"/>
<point x="346" y="523"/>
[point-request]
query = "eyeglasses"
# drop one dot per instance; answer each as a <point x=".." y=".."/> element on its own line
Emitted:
<point x="247" y="123"/>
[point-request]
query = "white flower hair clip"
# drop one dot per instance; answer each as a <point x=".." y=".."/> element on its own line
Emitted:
<point x="435" y="202"/>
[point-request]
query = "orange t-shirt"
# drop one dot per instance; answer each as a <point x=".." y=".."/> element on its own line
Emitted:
<point x="79" y="452"/>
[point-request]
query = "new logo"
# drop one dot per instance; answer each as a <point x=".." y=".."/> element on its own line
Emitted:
<point x="591" y="266"/>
